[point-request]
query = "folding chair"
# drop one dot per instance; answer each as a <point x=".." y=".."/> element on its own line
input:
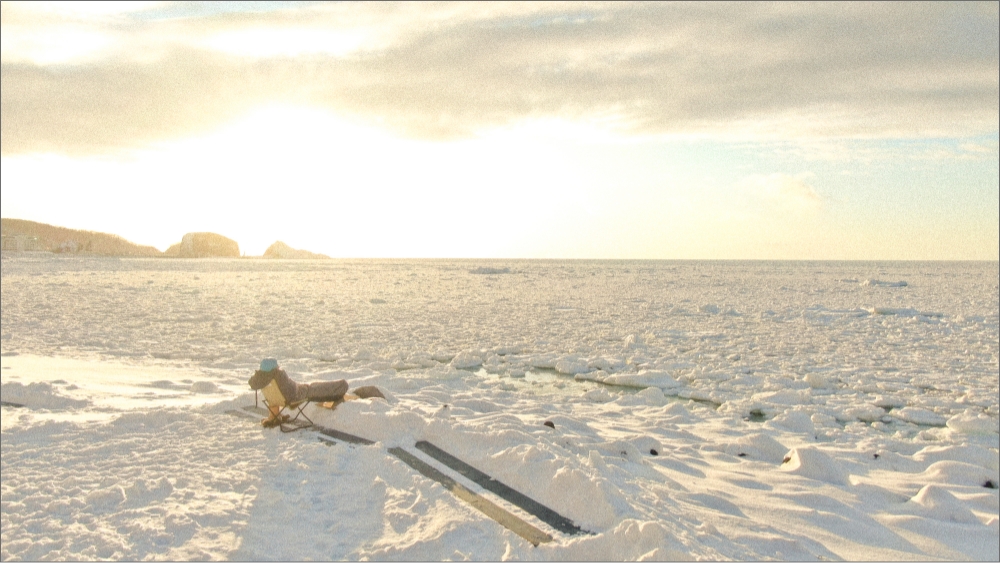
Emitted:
<point x="274" y="398"/>
<point x="320" y="392"/>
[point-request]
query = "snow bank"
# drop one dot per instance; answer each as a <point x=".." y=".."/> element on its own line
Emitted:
<point x="40" y="395"/>
<point x="812" y="463"/>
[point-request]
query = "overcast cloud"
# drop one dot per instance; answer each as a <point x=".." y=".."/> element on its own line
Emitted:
<point x="92" y="83"/>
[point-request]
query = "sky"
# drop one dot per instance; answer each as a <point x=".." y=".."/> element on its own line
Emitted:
<point x="813" y="131"/>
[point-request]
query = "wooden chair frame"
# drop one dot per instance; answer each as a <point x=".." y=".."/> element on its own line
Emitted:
<point x="274" y="398"/>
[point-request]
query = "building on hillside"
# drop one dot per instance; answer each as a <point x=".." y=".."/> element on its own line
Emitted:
<point x="19" y="243"/>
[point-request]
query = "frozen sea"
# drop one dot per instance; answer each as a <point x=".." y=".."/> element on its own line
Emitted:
<point x="797" y="410"/>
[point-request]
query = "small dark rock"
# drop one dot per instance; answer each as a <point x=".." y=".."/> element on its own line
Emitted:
<point x="654" y="452"/>
<point x="875" y="456"/>
<point x="549" y="423"/>
<point x="741" y="454"/>
<point x="989" y="484"/>
<point x="786" y="460"/>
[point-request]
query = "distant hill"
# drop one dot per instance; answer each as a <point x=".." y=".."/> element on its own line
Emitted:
<point x="204" y="245"/>
<point x="282" y="250"/>
<point x="29" y="235"/>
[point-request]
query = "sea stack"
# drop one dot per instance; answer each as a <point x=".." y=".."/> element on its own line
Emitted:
<point x="282" y="250"/>
<point x="204" y="245"/>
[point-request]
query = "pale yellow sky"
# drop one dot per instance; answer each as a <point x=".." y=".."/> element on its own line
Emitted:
<point x="541" y="130"/>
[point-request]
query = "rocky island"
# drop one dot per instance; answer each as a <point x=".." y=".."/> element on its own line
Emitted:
<point x="204" y="245"/>
<point x="282" y="250"/>
<point x="20" y="235"/>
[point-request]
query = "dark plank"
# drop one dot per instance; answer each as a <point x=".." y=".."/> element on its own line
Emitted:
<point x="529" y="505"/>
<point x="505" y="518"/>
<point x="344" y="436"/>
<point x="241" y="413"/>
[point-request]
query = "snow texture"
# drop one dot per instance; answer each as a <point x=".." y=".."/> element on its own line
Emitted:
<point x="675" y="410"/>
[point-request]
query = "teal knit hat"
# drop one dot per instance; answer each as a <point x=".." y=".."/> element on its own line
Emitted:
<point x="268" y="364"/>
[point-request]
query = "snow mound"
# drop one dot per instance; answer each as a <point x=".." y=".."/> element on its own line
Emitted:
<point x="976" y="455"/>
<point x="814" y="464"/>
<point x="934" y="501"/>
<point x="446" y="372"/>
<point x="652" y="396"/>
<point x="442" y="356"/>
<point x="466" y="360"/>
<point x="40" y="395"/>
<point x="972" y="423"/>
<point x="960" y="473"/>
<point x="598" y="396"/>
<point x="759" y="447"/>
<point x="588" y="501"/>
<point x="816" y="380"/>
<point x="105" y="500"/>
<point x="627" y="449"/>
<point x="632" y="540"/>
<point x="677" y="411"/>
<point x="204" y="387"/>
<point x="796" y="421"/>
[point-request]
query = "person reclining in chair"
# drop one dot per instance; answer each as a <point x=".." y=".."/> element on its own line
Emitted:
<point x="293" y="392"/>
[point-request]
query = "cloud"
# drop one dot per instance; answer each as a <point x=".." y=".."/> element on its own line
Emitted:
<point x="731" y="71"/>
<point x="789" y="193"/>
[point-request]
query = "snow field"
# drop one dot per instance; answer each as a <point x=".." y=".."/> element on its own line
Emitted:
<point x="795" y="411"/>
<point x="166" y="484"/>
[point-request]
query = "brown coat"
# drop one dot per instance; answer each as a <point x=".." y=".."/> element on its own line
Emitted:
<point x="296" y="392"/>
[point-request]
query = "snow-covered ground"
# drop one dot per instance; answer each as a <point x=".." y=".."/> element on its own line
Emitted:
<point x="797" y="410"/>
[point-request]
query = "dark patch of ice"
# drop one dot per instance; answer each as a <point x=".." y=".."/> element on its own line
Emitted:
<point x="482" y="270"/>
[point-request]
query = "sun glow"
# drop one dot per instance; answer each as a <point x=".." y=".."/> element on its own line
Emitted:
<point x="286" y="42"/>
<point x="331" y="185"/>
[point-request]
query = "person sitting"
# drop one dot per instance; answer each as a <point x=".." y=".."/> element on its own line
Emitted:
<point x="294" y="392"/>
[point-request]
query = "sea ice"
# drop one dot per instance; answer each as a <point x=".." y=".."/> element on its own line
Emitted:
<point x="541" y="378"/>
<point x="918" y="415"/>
<point x="645" y="378"/>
